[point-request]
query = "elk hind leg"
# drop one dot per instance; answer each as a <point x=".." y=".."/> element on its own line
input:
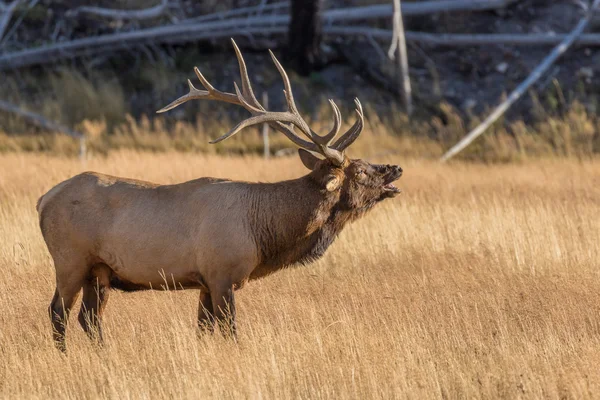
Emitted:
<point x="60" y="307"/>
<point x="206" y="316"/>
<point x="95" y="296"/>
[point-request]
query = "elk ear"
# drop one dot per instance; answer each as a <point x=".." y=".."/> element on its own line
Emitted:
<point x="333" y="183"/>
<point x="308" y="159"/>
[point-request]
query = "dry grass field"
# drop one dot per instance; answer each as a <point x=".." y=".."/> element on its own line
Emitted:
<point x="477" y="282"/>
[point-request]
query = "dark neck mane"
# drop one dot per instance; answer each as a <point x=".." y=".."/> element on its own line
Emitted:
<point x="294" y="222"/>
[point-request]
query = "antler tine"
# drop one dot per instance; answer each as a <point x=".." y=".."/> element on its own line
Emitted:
<point x="261" y="116"/>
<point x="194" y="94"/>
<point x="282" y="121"/>
<point x="246" y="85"/>
<point x="215" y="94"/>
<point x="289" y="96"/>
<point x="351" y="134"/>
<point x="337" y="123"/>
<point x="244" y="102"/>
<point x="268" y="118"/>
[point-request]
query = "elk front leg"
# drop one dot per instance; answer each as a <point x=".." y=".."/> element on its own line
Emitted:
<point x="223" y="302"/>
<point x="206" y="317"/>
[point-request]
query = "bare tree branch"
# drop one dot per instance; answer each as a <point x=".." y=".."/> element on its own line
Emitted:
<point x="224" y="29"/>
<point x="518" y="92"/>
<point x="114" y="42"/>
<point x="465" y="39"/>
<point x="399" y="42"/>
<point x="380" y="53"/>
<point x="139" y="15"/>
<point x="7" y="15"/>
<point x="38" y="120"/>
<point x="17" y="23"/>
<point x="369" y="12"/>
<point x="237" y="12"/>
<point x="416" y="8"/>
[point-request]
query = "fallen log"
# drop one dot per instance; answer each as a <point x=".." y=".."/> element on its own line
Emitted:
<point x="536" y="74"/>
<point x="179" y="33"/>
<point x="465" y="39"/>
<point x="412" y="9"/>
<point x="139" y="15"/>
<point x="44" y="123"/>
<point x="38" y="120"/>
<point x="238" y="11"/>
<point x="194" y="32"/>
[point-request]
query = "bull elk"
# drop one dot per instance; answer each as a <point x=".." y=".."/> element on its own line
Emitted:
<point x="209" y="234"/>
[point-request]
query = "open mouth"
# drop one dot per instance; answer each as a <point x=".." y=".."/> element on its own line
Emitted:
<point x="390" y="187"/>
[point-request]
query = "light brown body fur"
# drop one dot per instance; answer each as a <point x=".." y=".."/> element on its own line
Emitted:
<point x="210" y="234"/>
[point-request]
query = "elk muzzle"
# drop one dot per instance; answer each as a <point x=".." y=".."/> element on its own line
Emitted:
<point x="391" y="174"/>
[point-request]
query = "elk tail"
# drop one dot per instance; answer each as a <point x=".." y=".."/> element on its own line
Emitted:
<point x="39" y="202"/>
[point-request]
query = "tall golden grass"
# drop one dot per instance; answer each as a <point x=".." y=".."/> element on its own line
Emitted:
<point x="478" y="282"/>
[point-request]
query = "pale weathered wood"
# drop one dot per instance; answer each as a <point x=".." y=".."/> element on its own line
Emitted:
<point x="192" y="32"/>
<point x="518" y="92"/>
<point x="236" y="12"/>
<point x="139" y="15"/>
<point x="44" y="123"/>
<point x="399" y="42"/>
<point x="38" y="120"/>
<point x="114" y="42"/>
<point x="413" y="8"/>
<point x="7" y="14"/>
<point x="464" y="39"/>
<point x="265" y="128"/>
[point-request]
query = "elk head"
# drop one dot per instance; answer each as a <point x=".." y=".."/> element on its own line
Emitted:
<point x="360" y="184"/>
<point x="357" y="184"/>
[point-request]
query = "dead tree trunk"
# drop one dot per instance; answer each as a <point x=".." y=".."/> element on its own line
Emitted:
<point x="304" y="36"/>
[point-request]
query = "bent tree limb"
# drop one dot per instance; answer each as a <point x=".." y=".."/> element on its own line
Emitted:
<point x="42" y="122"/>
<point x="464" y="39"/>
<point x="38" y="120"/>
<point x="7" y="15"/>
<point x="180" y="33"/>
<point x="518" y="92"/>
<point x="416" y="8"/>
<point x="245" y="26"/>
<point x="236" y="12"/>
<point x="399" y="42"/>
<point x="195" y="32"/>
<point x="148" y="13"/>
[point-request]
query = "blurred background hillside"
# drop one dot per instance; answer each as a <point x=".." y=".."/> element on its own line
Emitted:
<point x="104" y="71"/>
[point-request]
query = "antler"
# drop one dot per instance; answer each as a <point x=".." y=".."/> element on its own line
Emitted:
<point x="281" y="121"/>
